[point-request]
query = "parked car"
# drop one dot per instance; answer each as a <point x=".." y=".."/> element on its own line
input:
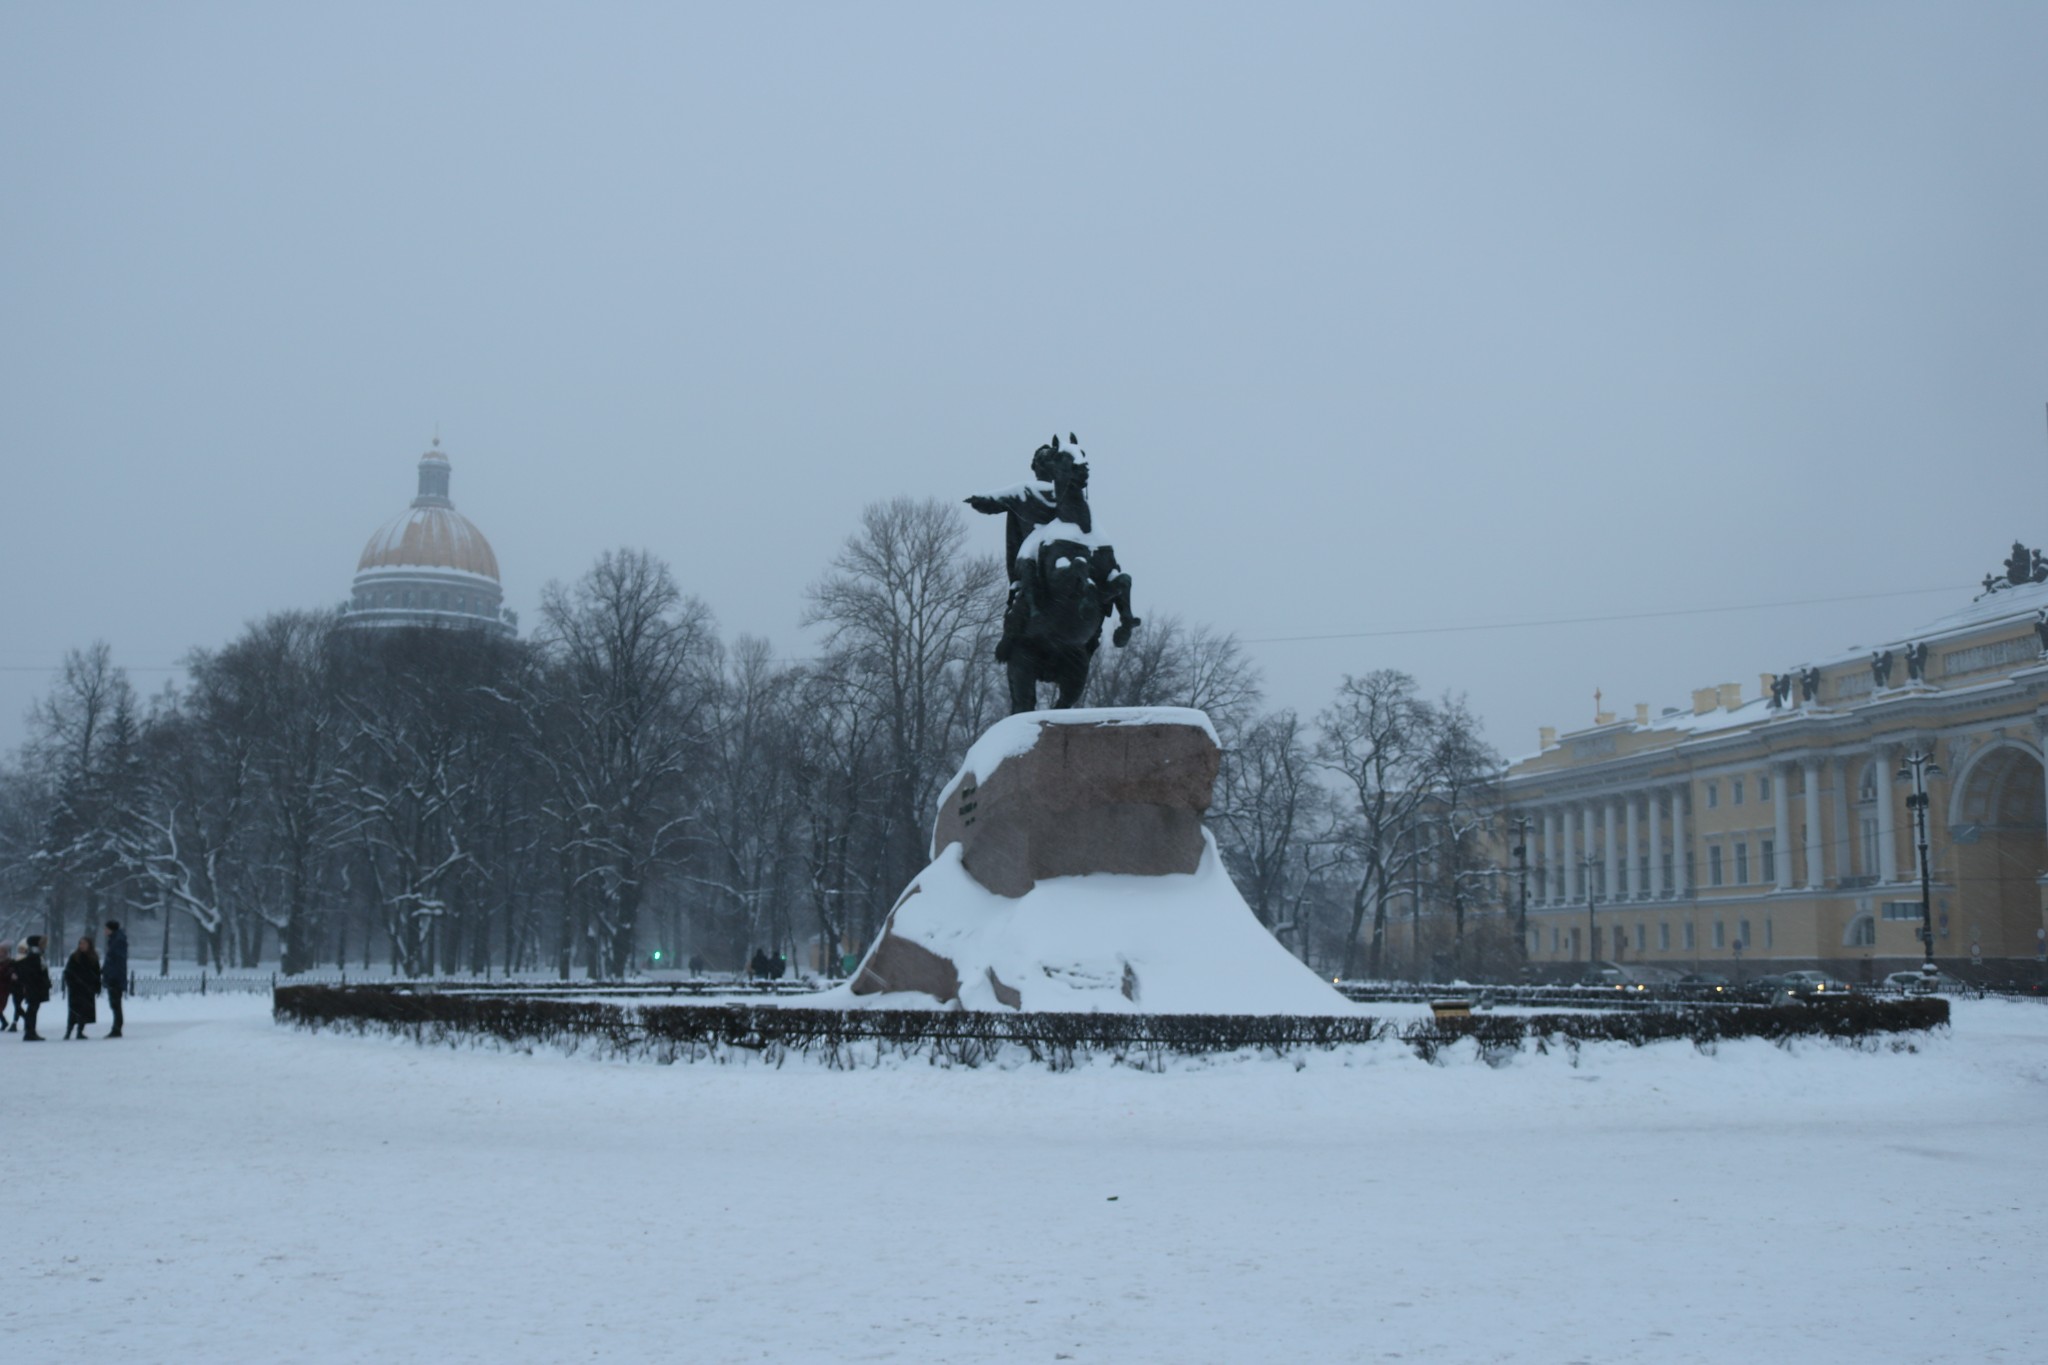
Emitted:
<point x="1815" y="983"/>
<point x="1916" y="983"/>
<point x="1704" y="984"/>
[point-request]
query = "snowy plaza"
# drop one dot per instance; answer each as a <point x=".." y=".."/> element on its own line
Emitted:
<point x="218" y="1188"/>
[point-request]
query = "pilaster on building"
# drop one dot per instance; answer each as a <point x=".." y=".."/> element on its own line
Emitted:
<point x="1764" y="831"/>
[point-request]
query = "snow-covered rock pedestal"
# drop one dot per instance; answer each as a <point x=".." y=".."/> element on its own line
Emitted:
<point x="1070" y="871"/>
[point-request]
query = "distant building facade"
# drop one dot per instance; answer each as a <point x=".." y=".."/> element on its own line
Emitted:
<point x="429" y="566"/>
<point x="1773" y="832"/>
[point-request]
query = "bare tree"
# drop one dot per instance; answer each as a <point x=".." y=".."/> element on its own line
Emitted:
<point x="1169" y="663"/>
<point x="81" y="738"/>
<point x="1462" y="811"/>
<point x="629" y="660"/>
<point x="1378" y="741"/>
<point x="910" y="624"/>
<point x="752" y="812"/>
<point x="1267" y="800"/>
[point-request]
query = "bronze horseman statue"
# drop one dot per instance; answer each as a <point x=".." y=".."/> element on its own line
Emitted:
<point x="1064" y="582"/>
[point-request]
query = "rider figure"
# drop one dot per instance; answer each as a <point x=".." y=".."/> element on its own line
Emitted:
<point x="1059" y="495"/>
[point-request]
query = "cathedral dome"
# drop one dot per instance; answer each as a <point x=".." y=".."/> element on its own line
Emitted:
<point x="429" y="565"/>
<point x="430" y="538"/>
<point x="431" y="534"/>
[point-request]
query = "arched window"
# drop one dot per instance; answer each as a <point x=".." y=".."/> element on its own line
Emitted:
<point x="1862" y="933"/>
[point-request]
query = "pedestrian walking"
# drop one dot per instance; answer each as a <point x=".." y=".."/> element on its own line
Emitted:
<point x="20" y="984"/>
<point x="114" y="972"/>
<point x="32" y="979"/>
<point x="8" y="993"/>
<point x="81" y="985"/>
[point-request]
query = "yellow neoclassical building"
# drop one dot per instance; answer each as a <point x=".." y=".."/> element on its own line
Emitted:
<point x="1773" y="831"/>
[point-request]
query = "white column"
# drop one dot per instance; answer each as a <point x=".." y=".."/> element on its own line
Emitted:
<point x="1781" y="831"/>
<point x="1660" y="879"/>
<point x="1816" y="874"/>
<point x="1609" y="845"/>
<point x="1572" y="872"/>
<point x="1553" y="876"/>
<point x="1887" y="825"/>
<point x="1681" y="839"/>
<point x="1629" y="861"/>
<point x="1848" y="838"/>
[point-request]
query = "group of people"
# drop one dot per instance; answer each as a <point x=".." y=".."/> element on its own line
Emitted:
<point x="25" y="984"/>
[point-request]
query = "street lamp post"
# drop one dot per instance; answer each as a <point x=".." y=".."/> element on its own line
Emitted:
<point x="1587" y="865"/>
<point x="1917" y="768"/>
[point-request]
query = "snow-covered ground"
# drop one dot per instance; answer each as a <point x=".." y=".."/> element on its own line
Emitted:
<point x="213" y="1188"/>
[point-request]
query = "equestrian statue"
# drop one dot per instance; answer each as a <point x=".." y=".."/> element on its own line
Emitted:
<point x="1064" y="580"/>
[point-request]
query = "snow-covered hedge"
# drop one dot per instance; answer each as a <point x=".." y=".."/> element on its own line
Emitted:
<point x="850" y="1037"/>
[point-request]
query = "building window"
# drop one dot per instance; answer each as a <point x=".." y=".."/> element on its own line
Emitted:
<point x="1664" y="936"/>
<point x="1902" y="910"/>
<point x="1769" y="937"/>
<point x="1742" y="939"/>
<point x="1862" y="932"/>
<point x="1553" y="942"/>
<point x="1763" y="786"/>
<point x="1770" y="859"/>
<point x="1742" y="864"/>
<point x="1720" y="934"/>
<point x="1642" y="938"/>
<point x="1870" y="863"/>
<point x="1735" y="792"/>
<point x="1689" y="943"/>
<point x="1713" y="865"/>
<point x="1643" y="887"/>
<point x="1713" y="795"/>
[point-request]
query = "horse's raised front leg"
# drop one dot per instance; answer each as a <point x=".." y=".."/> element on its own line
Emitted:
<point x="1120" y="597"/>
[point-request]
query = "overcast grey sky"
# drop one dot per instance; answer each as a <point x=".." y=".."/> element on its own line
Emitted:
<point x="1370" y="317"/>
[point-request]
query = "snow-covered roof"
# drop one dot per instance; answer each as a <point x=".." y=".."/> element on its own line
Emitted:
<point x="2007" y="604"/>
<point x="2010" y="605"/>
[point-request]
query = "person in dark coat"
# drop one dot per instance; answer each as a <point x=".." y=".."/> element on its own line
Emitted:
<point x="32" y="978"/>
<point x="114" y="972"/>
<point x="81" y="984"/>
<point x="8" y="992"/>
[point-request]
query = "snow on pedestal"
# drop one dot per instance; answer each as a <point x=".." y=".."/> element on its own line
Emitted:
<point x="1070" y="871"/>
